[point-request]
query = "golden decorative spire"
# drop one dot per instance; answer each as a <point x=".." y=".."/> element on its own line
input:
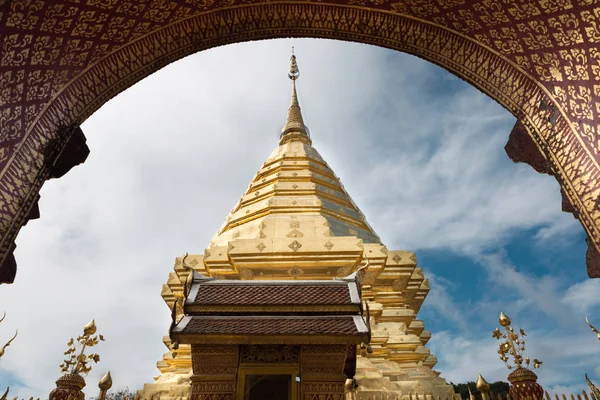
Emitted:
<point x="481" y="385"/>
<point x="79" y="363"/>
<point x="104" y="384"/>
<point x="513" y="346"/>
<point x="294" y="129"/>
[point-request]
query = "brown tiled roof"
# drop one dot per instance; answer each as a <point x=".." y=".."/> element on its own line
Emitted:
<point x="260" y="325"/>
<point x="273" y="294"/>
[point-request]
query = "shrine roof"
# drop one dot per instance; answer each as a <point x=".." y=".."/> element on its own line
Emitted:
<point x="267" y="293"/>
<point x="270" y="329"/>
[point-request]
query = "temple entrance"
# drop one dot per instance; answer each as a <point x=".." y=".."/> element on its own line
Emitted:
<point x="557" y="127"/>
<point x="267" y="383"/>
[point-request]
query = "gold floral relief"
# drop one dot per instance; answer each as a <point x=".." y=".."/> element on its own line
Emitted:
<point x="201" y="4"/>
<point x="422" y="8"/>
<point x="484" y="39"/>
<point x="10" y="123"/>
<point x="38" y="84"/>
<point x="566" y="28"/>
<point x="90" y="23"/>
<point x="575" y="65"/>
<point x="523" y="62"/>
<point x="119" y="28"/>
<point x="445" y="4"/>
<point x="491" y="12"/>
<point x="506" y="40"/>
<point x="15" y="50"/>
<point x="59" y="19"/>
<point x="107" y="4"/>
<point x="595" y="63"/>
<point x="31" y="111"/>
<point x="46" y="50"/>
<point x="580" y="101"/>
<point x="592" y="24"/>
<point x="523" y="11"/>
<point x="547" y="66"/>
<point x="552" y="6"/>
<point x="535" y="35"/>
<point x="22" y="14"/>
<point x="160" y="10"/>
<point x="11" y="86"/>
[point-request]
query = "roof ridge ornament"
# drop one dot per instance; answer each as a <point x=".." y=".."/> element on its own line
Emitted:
<point x="294" y="129"/>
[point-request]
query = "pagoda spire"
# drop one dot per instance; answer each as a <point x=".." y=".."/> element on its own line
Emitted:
<point x="294" y="129"/>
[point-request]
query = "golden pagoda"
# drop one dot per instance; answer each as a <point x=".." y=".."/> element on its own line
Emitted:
<point x="296" y="222"/>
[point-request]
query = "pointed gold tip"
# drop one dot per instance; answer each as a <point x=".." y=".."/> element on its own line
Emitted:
<point x="106" y="382"/>
<point x="294" y="72"/>
<point x="482" y="385"/>
<point x="90" y="328"/>
<point x="504" y="320"/>
<point x="294" y="128"/>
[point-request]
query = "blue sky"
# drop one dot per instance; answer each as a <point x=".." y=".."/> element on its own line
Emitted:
<point x="419" y="150"/>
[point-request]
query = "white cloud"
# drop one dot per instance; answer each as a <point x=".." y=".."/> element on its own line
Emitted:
<point x="439" y="300"/>
<point x="584" y="295"/>
<point x="170" y="156"/>
<point x="463" y="358"/>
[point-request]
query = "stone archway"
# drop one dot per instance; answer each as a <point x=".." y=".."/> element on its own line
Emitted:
<point x="62" y="61"/>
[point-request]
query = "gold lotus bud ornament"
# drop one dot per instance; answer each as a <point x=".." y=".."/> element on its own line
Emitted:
<point x="90" y="328"/>
<point x="78" y="362"/>
<point x="482" y="385"/>
<point x="106" y="382"/>
<point x="513" y="344"/>
<point x="504" y="320"/>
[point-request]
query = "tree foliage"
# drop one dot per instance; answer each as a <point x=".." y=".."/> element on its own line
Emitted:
<point x="121" y="394"/>
<point x="498" y="388"/>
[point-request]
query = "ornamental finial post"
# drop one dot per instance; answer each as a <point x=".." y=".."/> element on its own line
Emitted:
<point x="483" y="387"/>
<point x="77" y="364"/>
<point x="294" y="72"/>
<point x="523" y="381"/>
<point x="104" y="384"/>
<point x="593" y="387"/>
<point x="294" y="128"/>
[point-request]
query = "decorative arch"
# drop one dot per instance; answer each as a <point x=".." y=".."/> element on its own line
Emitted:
<point x="62" y="61"/>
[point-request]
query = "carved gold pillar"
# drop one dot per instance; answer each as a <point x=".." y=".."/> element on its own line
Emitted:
<point x="524" y="385"/>
<point x="322" y="372"/>
<point x="68" y="387"/>
<point x="215" y="371"/>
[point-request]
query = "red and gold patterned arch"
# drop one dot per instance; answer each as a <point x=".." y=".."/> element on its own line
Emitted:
<point x="61" y="60"/>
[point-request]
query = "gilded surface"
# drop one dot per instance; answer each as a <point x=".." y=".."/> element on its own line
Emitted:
<point x="61" y="60"/>
<point x="305" y="235"/>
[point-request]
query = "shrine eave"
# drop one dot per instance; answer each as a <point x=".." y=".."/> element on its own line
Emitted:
<point x="271" y="330"/>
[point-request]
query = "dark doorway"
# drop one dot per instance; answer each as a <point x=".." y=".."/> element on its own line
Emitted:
<point x="268" y="387"/>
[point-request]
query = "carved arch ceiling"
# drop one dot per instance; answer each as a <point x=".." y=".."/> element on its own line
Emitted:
<point x="61" y="60"/>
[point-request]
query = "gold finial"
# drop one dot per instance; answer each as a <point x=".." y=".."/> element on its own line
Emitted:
<point x="294" y="129"/>
<point x="3" y="349"/>
<point x="294" y="72"/>
<point x="471" y="395"/>
<point x="513" y="346"/>
<point x="482" y="386"/>
<point x="90" y="328"/>
<point x="504" y="320"/>
<point x="592" y="328"/>
<point x="106" y="382"/>
<point x="78" y="363"/>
